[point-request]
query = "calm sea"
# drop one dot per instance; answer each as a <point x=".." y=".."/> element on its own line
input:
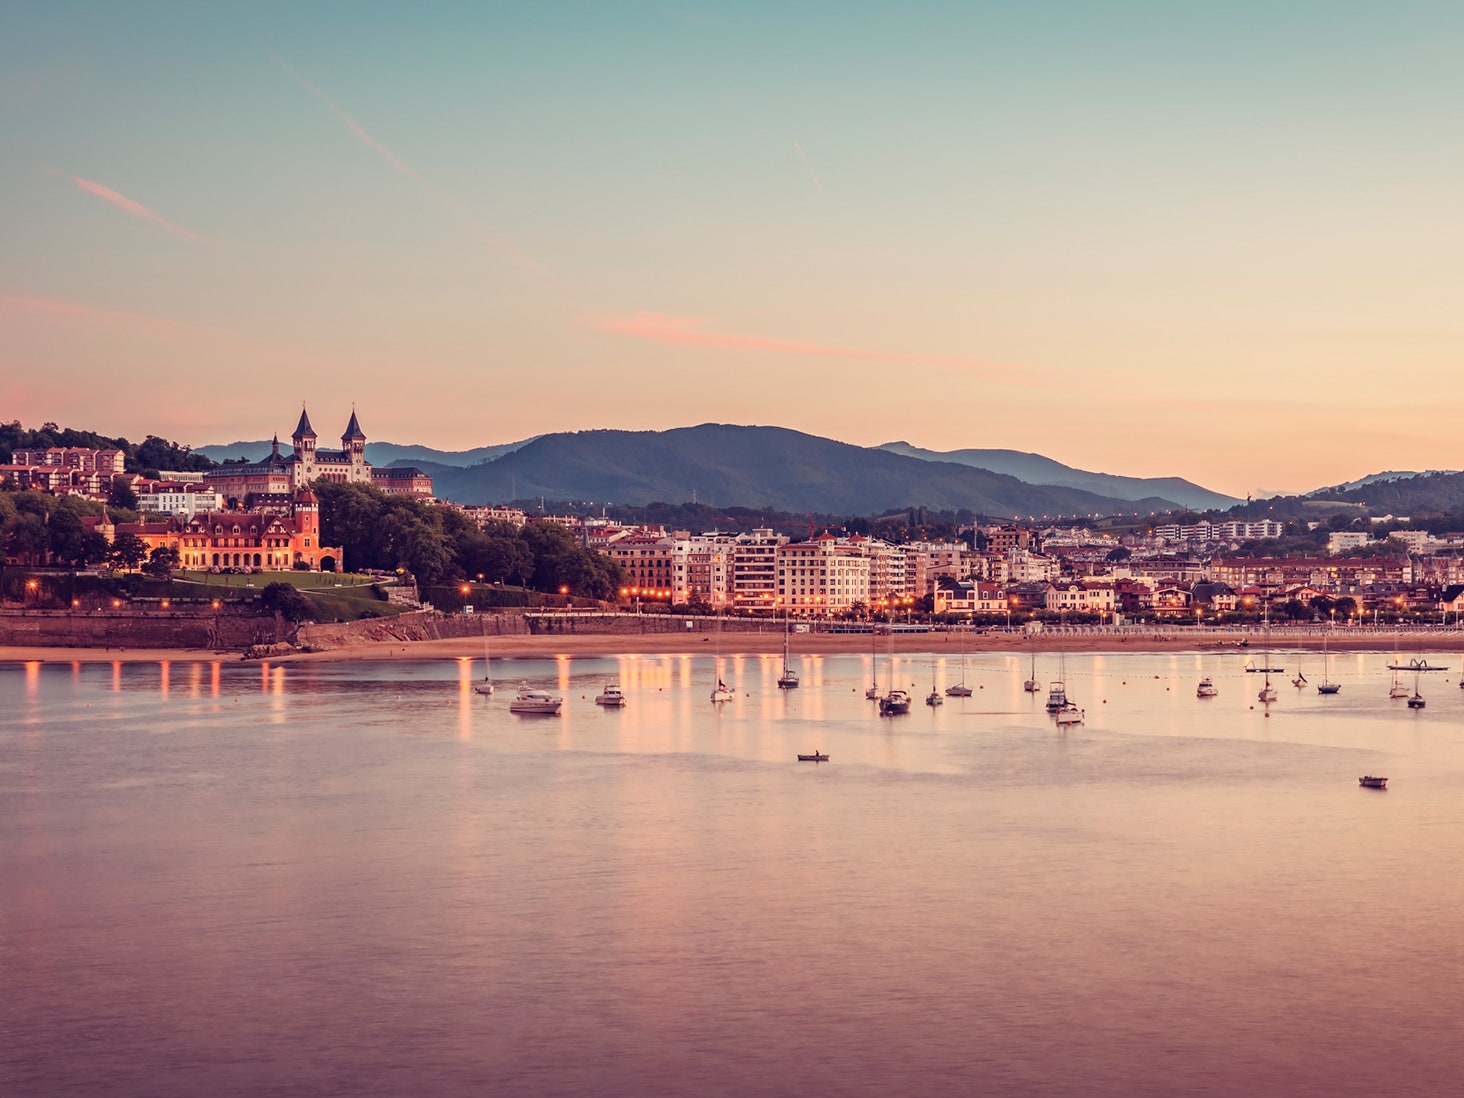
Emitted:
<point x="227" y="879"/>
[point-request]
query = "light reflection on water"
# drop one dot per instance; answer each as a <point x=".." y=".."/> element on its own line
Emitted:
<point x="315" y="878"/>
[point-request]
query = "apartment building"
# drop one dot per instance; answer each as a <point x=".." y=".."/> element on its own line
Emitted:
<point x="827" y="575"/>
<point x="755" y="569"/>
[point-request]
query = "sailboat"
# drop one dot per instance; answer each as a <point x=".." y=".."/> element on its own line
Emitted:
<point x="788" y="680"/>
<point x="485" y="687"/>
<point x="1057" y="699"/>
<point x="720" y="692"/>
<point x="894" y="701"/>
<point x="1416" y="700"/>
<point x="1327" y="686"/>
<point x="1267" y="692"/>
<point x="933" y="698"/>
<point x="873" y="693"/>
<point x="960" y="689"/>
<point x="1398" y="690"/>
<point x="1031" y="686"/>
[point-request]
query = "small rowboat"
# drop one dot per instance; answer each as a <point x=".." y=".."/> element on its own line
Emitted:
<point x="816" y="757"/>
<point x="1367" y="781"/>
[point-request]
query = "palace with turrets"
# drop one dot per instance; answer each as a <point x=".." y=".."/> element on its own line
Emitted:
<point x="273" y="482"/>
<point x="270" y="519"/>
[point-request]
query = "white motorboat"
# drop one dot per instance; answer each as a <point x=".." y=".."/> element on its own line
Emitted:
<point x="1206" y="688"/>
<point x="1069" y="714"/>
<point x="528" y="700"/>
<point x="610" y="697"/>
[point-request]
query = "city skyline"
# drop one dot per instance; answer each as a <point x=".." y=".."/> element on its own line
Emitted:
<point x="1136" y="239"/>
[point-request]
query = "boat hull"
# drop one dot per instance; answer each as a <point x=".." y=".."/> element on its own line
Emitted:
<point x="535" y="708"/>
<point x="894" y="703"/>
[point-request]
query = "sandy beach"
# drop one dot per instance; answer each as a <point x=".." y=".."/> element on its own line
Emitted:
<point x="1410" y="643"/>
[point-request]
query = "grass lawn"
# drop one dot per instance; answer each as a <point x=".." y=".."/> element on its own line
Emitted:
<point x="305" y="581"/>
<point x="349" y="604"/>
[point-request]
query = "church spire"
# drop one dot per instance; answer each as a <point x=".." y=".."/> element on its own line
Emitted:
<point x="303" y="428"/>
<point x="353" y="429"/>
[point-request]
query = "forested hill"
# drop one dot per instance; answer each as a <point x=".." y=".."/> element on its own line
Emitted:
<point x="151" y="455"/>
<point x="728" y="465"/>
<point x="1421" y="497"/>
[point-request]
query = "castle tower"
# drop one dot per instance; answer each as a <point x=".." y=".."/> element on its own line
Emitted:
<point x="304" y="439"/>
<point x="353" y="445"/>
<point x="306" y="542"/>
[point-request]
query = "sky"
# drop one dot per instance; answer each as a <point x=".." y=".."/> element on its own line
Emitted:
<point x="1216" y="241"/>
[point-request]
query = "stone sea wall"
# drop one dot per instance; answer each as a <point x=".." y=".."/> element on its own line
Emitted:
<point x="136" y="628"/>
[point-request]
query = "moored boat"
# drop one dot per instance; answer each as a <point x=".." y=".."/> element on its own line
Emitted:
<point x="894" y="702"/>
<point x="1367" y="781"/>
<point x="1069" y="714"/>
<point x="1031" y="685"/>
<point x="816" y="757"/>
<point x="611" y="696"/>
<point x="1056" y="696"/>
<point x="528" y="700"/>
<point x="1206" y="688"/>
<point x="788" y="680"/>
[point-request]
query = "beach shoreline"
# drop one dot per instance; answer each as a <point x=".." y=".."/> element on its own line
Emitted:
<point x="1409" y="643"/>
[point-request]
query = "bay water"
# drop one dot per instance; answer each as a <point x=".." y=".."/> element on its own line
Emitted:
<point x="363" y="878"/>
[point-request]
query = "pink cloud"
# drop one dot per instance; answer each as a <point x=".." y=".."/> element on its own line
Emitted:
<point x="134" y="208"/>
<point x="691" y="331"/>
<point x="479" y="229"/>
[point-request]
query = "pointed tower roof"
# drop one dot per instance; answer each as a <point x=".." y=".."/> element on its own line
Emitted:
<point x="275" y="450"/>
<point x="353" y="429"/>
<point x="303" y="428"/>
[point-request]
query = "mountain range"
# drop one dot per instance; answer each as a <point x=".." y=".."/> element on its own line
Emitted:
<point x="377" y="453"/>
<point x="1036" y="469"/>
<point x="771" y="467"/>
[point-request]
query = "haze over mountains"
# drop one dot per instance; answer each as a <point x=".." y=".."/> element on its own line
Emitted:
<point x="729" y="465"/>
